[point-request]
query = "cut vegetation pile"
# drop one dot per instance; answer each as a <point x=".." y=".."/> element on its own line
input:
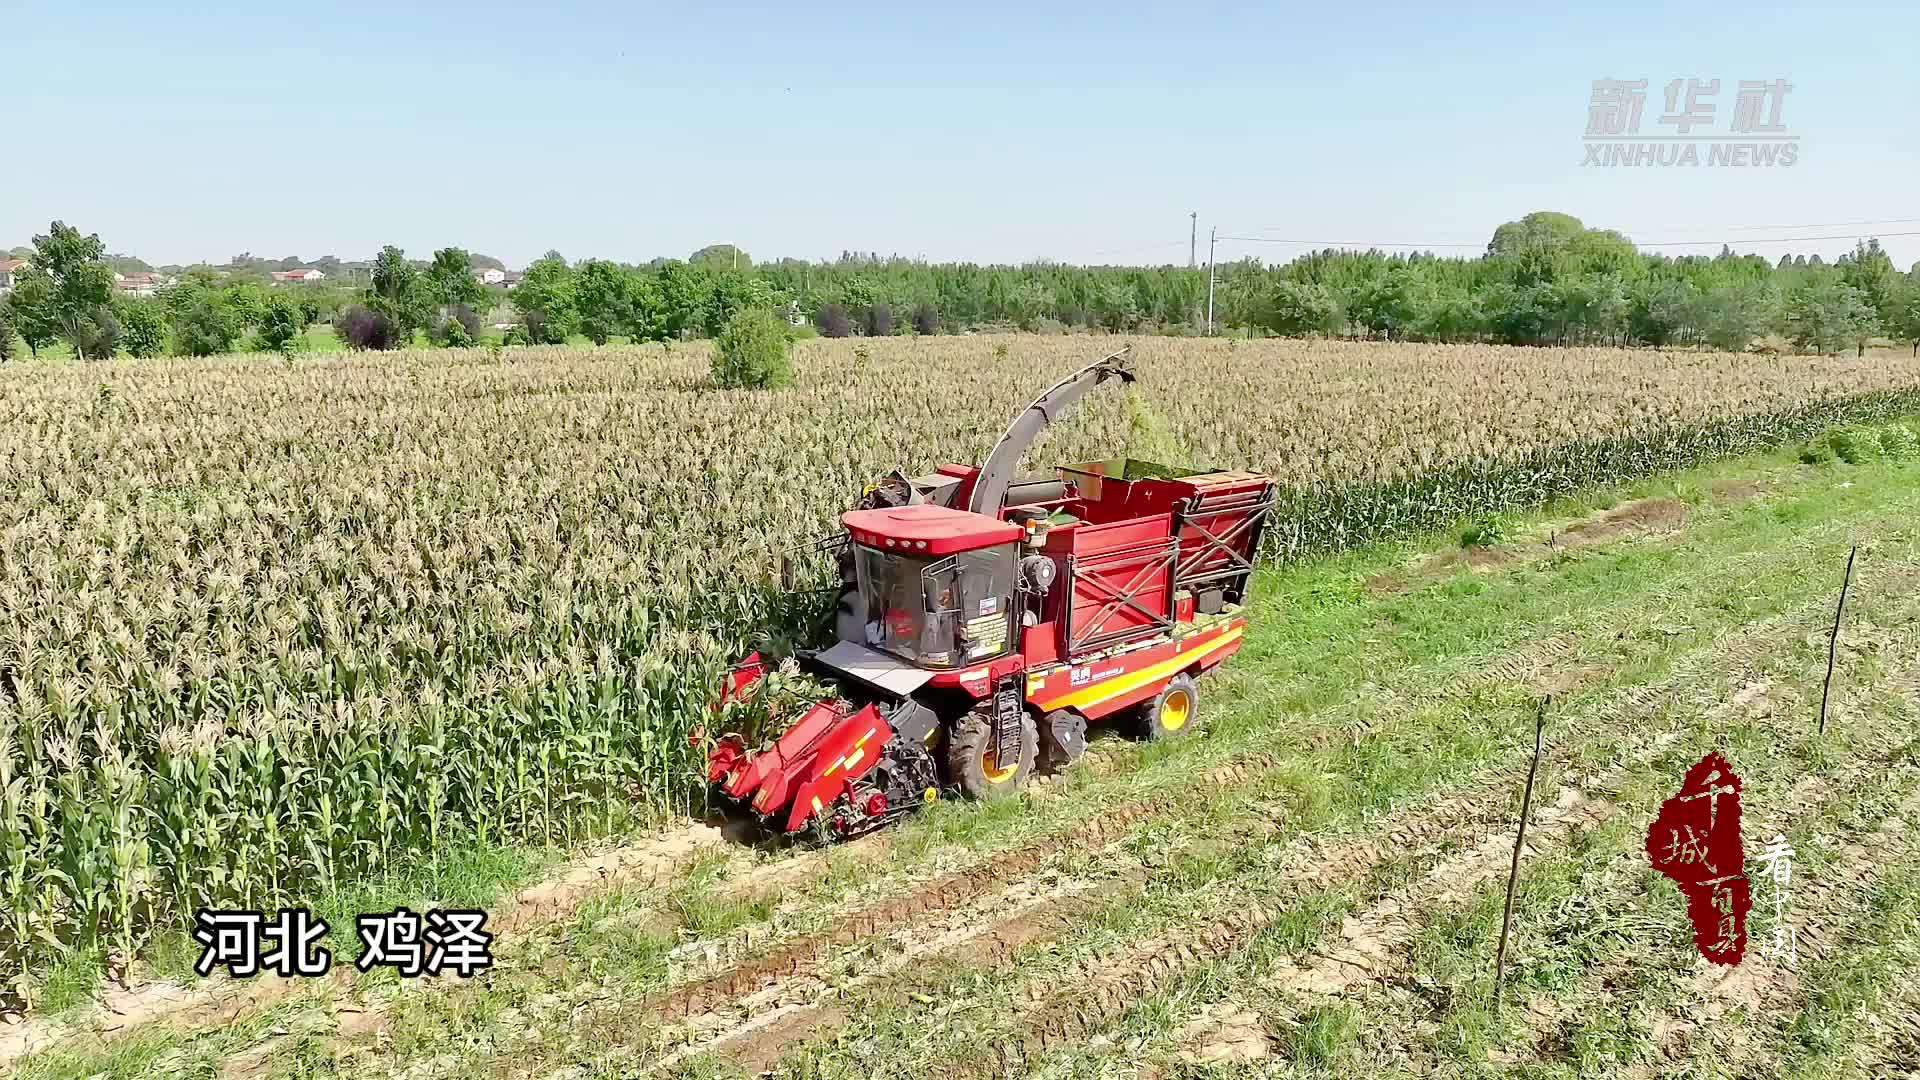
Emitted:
<point x="265" y="629"/>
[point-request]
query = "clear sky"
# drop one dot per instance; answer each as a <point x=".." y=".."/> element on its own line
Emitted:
<point x="987" y="131"/>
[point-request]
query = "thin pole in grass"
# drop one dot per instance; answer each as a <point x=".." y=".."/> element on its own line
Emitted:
<point x="1833" y="640"/>
<point x="1519" y="841"/>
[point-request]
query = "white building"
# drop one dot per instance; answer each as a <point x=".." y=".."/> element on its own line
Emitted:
<point x="491" y="276"/>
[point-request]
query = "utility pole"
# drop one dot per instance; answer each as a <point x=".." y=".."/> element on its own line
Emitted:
<point x="1213" y="235"/>
<point x="1193" y="237"/>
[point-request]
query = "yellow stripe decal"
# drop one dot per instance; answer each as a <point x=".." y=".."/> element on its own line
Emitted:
<point x="852" y="759"/>
<point x="1093" y="695"/>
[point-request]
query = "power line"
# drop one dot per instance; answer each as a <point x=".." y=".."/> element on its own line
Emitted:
<point x="1828" y="224"/>
<point x="1131" y="250"/>
<point x="1346" y="243"/>
<point x="1661" y="229"/>
<point x="1772" y="239"/>
<point x="1637" y="243"/>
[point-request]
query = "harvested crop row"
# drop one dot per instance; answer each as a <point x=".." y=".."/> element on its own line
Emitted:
<point x="946" y="893"/>
<point x="1091" y="998"/>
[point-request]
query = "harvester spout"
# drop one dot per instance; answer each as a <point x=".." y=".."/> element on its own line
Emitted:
<point x="990" y="487"/>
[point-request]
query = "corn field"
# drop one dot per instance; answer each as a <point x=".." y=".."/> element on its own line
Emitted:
<point x="267" y="628"/>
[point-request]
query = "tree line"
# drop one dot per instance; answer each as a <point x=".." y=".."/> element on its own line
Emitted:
<point x="1548" y="279"/>
<point x="1544" y="279"/>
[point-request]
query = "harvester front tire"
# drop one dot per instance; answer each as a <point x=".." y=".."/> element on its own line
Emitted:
<point x="970" y="756"/>
<point x="1172" y="713"/>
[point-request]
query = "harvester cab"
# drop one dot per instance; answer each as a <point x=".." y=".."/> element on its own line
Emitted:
<point x="984" y="623"/>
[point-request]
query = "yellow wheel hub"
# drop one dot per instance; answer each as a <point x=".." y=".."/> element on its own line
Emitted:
<point x="1176" y="710"/>
<point x="997" y="776"/>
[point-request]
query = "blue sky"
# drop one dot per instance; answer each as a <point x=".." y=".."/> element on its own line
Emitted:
<point x="989" y="132"/>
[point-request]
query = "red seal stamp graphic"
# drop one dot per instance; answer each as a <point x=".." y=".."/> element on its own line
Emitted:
<point x="1696" y="841"/>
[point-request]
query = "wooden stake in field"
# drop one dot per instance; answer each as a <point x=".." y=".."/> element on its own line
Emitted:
<point x="1833" y="641"/>
<point x="1519" y="841"/>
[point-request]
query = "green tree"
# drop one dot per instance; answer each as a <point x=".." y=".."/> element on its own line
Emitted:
<point x="36" y="316"/>
<point x="751" y="351"/>
<point x="78" y="289"/>
<point x="7" y="334"/>
<point x="1594" y="306"/>
<point x="685" y="295"/>
<point x="1540" y="229"/>
<point x="645" y="308"/>
<point x="1732" y="317"/>
<point x="1604" y="251"/>
<point x="733" y="293"/>
<point x="248" y="302"/>
<point x="1299" y="308"/>
<point x="400" y="293"/>
<point x="1828" y="315"/>
<point x="203" y="322"/>
<point x="1869" y="269"/>
<point x="1522" y="314"/>
<point x="721" y="257"/>
<point x="143" y="328"/>
<point x="1452" y="313"/>
<point x="603" y="297"/>
<point x="545" y="298"/>
<point x="1660" y="311"/>
<point x="95" y="333"/>
<point x="450" y="280"/>
<point x="1906" y="321"/>
<point x="280" y="325"/>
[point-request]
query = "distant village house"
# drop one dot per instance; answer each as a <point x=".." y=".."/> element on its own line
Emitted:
<point x="297" y="277"/>
<point x="139" y="284"/>
<point x="9" y="270"/>
<point x="491" y="276"/>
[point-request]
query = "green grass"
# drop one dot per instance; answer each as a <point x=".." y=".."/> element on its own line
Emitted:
<point x="319" y="338"/>
<point x="1448" y="960"/>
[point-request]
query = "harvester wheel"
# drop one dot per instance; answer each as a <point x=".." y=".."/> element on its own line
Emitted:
<point x="970" y="759"/>
<point x="1173" y="712"/>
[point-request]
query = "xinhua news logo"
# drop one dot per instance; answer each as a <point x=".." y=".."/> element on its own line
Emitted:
<point x="1755" y="136"/>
